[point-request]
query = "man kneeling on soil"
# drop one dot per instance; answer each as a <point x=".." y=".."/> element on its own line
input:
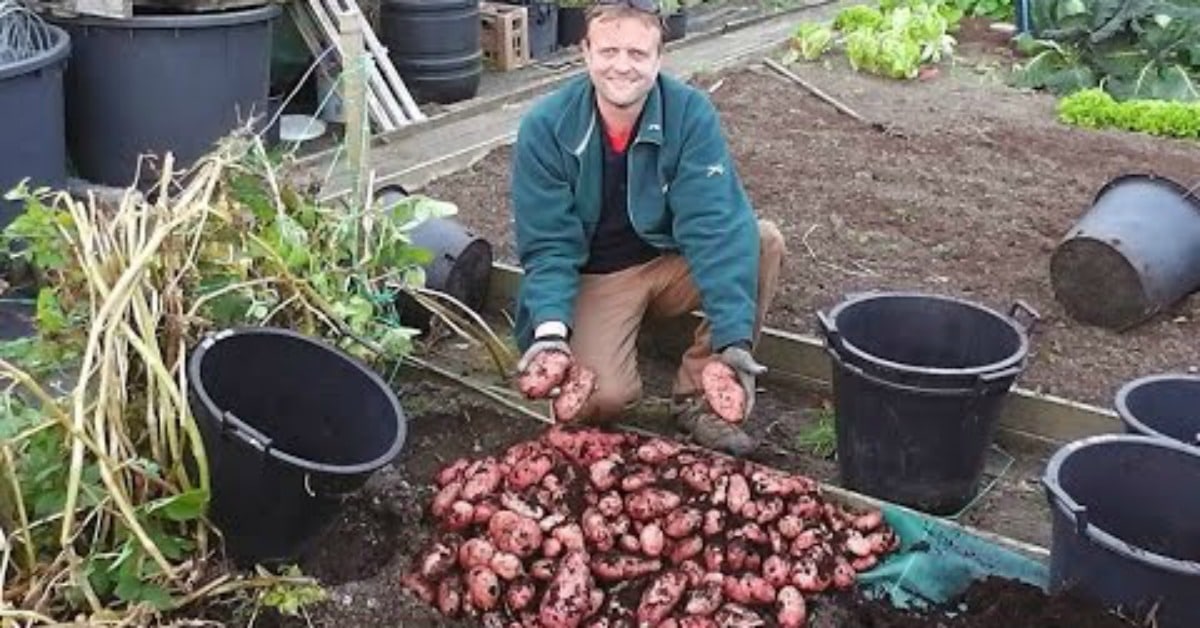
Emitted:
<point x="627" y="205"/>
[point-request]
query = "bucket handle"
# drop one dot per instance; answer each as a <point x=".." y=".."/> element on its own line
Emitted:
<point x="1018" y="307"/>
<point x="1077" y="511"/>
<point x="828" y="330"/>
<point x="977" y="391"/>
<point x="231" y="424"/>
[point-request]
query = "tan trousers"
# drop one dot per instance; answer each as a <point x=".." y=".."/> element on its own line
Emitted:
<point x="610" y="308"/>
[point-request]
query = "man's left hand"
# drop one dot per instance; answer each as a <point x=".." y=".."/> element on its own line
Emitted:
<point x="747" y="369"/>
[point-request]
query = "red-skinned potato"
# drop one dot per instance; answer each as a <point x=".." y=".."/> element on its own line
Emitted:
<point x="603" y="473"/>
<point x="777" y="570"/>
<point x="445" y="497"/>
<point x="618" y="567"/>
<point x="507" y="566"/>
<point x="739" y="493"/>
<point x="570" y="535"/>
<point x="520" y="595"/>
<point x="714" y="522"/>
<point x="483" y="482"/>
<point x="545" y="372"/>
<point x="436" y="562"/>
<point x="650" y="503"/>
<point x="636" y="479"/>
<point x="661" y="597"/>
<point x="867" y="522"/>
<point x="568" y="599"/>
<point x="574" y="393"/>
<point x="419" y="587"/>
<point x="682" y="522"/>
<point x="451" y="472"/>
<point x="483" y="588"/>
<point x="483" y="511"/>
<point x="723" y="392"/>
<point x="705" y="599"/>
<point x="528" y="471"/>
<point x="449" y="597"/>
<point x="475" y="552"/>
<point x="514" y="534"/>
<point x="652" y="540"/>
<point x="460" y="516"/>
<point x="792" y="609"/>
<point x="686" y="549"/>
<point x="610" y="504"/>
<point x="843" y="574"/>
<point x="696" y="477"/>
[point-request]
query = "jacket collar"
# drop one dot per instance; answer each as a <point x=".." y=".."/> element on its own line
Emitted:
<point x="580" y="120"/>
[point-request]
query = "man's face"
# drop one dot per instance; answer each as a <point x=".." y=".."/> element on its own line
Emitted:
<point x="623" y="59"/>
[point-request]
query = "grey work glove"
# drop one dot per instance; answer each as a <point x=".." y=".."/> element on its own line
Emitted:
<point x="553" y="343"/>
<point x="747" y="369"/>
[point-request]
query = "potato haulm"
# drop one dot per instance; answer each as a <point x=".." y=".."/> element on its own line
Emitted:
<point x="589" y="528"/>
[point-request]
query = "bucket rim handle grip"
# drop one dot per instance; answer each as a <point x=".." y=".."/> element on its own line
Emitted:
<point x="1020" y="306"/>
<point x="828" y="330"/>
<point x="977" y="391"/>
<point x="242" y="430"/>
<point x="1077" y="511"/>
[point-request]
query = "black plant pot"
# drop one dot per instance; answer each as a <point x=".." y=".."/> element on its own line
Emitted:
<point x="572" y="25"/>
<point x="677" y="25"/>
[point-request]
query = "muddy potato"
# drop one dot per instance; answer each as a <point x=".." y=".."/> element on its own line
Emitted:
<point x="545" y="372"/>
<point x="723" y="392"/>
<point x="574" y="393"/>
<point x="661" y="597"/>
<point x="792" y="611"/>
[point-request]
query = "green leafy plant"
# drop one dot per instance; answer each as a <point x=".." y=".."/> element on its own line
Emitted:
<point x="103" y="482"/>
<point x="1133" y="49"/>
<point x="993" y="9"/>
<point x="1094" y="108"/>
<point x="893" y="39"/>
<point x="820" y="439"/>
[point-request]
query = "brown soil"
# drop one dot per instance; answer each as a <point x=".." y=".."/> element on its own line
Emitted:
<point x="988" y="603"/>
<point x="970" y="201"/>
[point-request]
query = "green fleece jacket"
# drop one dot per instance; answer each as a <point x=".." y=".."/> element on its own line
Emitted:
<point x="684" y="196"/>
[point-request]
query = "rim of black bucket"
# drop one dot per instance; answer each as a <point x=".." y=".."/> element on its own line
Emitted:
<point x="1009" y="362"/>
<point x="1122" y="401"/>
<point x="232" y="17"/>
<point x="338" y="469"/>
<point x="1097" y="534"/>
<point x="1191" y="195"/>
<point x="55" y="54"/>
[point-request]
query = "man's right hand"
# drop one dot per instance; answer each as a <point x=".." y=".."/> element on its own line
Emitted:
<point x="543" y="367"/>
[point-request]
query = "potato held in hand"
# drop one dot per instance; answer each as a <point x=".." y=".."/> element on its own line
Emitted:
<point x="545" y="372"/>
<point x="723" y="391"/>
<point x="574" y="393"/>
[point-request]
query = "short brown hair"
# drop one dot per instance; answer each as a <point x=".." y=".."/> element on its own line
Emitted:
<point x="613" y="9"/>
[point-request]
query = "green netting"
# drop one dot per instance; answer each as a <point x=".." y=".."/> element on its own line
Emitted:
<point x="937" y="561"/>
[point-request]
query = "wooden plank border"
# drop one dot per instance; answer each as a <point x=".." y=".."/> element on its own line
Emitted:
<point x="800" y="359"/>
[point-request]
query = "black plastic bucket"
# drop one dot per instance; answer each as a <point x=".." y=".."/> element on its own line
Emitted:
<point x="32" y="122"/>
<point x="676" y="26"/>
<point x="1164" y="406"/>
<point x="461" y="265"/>
<point x="290" y="425"/>
<point x="572" y="25"/>
<point x="155" y="83"/>
<point x="1135" y="252"/>
<point x="435" y="46"/>
<point x="919" y="382"/>
<point x="1126" y="519"/>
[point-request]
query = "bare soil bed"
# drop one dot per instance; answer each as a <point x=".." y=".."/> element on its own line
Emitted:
<point x="970" y="201"/>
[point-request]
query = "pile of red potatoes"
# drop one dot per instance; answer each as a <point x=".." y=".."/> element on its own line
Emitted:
<point x="586" y="527"/>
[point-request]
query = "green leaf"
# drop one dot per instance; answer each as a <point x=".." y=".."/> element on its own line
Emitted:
<point x="185" y="506"/>
<point x="50" y="316"/>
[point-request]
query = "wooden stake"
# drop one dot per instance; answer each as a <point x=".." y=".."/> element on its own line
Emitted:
<point x="354" y="95"/>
